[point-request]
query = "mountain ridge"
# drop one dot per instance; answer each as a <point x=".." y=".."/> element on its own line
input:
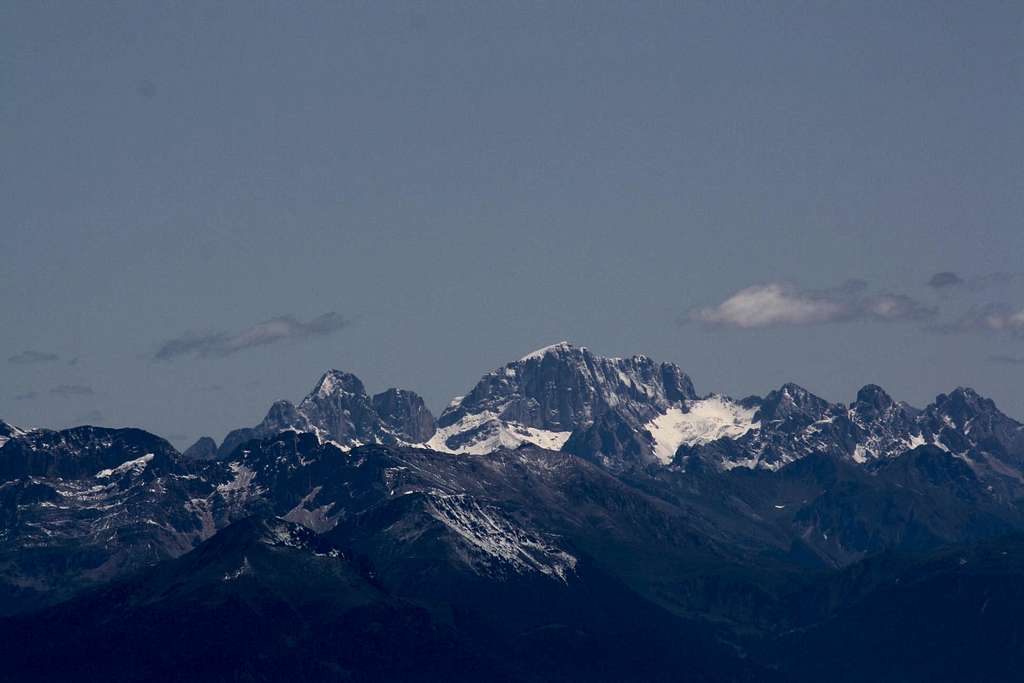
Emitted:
<point x="636" y="412"/>
<point x="715" y="523"/>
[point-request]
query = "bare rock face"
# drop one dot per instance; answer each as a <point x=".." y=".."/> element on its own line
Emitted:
<point x="8" y="432"/>
<point x="281" y="416"/>
<point x="339" y="409"/>
<point x="205" y="448"/>
<point x="612" y="442"/>
<point x="556" y="390"/>
<point x="562" y="387"/>
<point x="404" y="414"/>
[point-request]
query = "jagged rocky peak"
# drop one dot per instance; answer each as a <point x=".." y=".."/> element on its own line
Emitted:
<point x="625" y="412"/>
<point x="335" y="382"/>
<point x="786" y="425"/>
<point x="965" y="422"/>
<point x="283" y="415"/>
<point x="339" y="409"/>
<point x="205" y="448"/>
<point x="963" y="410"/>
<point x="882" y="427"/>
<point x="792" y="423"/>
<point x="873" y="406"/>
<point x="963" y="405"/>
<point x="792" y="400"/>
<point x="545" y="395"/>
<point x="873" y="399"/>
<point x="405" y="414"/>
<point x="563" y="386"/>
<point x="552" y="349"/>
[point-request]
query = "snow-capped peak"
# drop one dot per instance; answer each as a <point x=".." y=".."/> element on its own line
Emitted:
<point x="335" y="381"/>
<point x="553" y="348"/>
<point x="546" y="395"/>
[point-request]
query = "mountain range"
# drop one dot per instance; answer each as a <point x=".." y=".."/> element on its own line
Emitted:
<point x="571" y="516"/>
<point x="629" y="413"/>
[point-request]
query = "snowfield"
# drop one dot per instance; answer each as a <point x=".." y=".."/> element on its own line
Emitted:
<point x="705" y="421"/>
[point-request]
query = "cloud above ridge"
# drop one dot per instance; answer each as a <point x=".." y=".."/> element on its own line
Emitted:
<point x="777" y="304"/>
<point x="1007" y="360"/>
<point x="948" y="281"/>
<point x="999" y="318"/>
<point x="274" y="331"/>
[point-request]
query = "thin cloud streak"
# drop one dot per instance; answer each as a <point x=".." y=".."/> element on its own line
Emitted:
<point x="948" y="281"/>
<point x="1007" y="360"/>
<point x="945" y="279"/>
<point x="273" y="331"/>
<point x="72" y="390"/>
<point x="777" y="304"/>
<point x="29" y="357"/>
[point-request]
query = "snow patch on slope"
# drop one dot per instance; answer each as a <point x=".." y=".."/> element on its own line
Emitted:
<point x="914" y="441"/>
<point x="242" y="480"/>
<point x="243" y="569"/>
<point x="14" y="432"/>
<point x="484" y="433"/>
<point x="492" y="537"/>
<point x="136" y="466"/>
<point x="705" y="421"/>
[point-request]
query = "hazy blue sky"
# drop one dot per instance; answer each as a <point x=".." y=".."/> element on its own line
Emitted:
<point x="419" y="192"/>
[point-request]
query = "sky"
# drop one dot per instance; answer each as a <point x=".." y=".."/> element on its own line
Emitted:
<point x="205" y="206"/>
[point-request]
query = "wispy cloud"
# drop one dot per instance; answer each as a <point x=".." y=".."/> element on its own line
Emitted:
<point x="72" y="390"/>
<point x="949" y="281"/>
<point x="993" y="318"/>
<point x="30" y="357"/>
<point x="1007" y="360"/>
<point x="776" y="303"/>
<point x="273" y="331"/>
<point x="944" y="280"/>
